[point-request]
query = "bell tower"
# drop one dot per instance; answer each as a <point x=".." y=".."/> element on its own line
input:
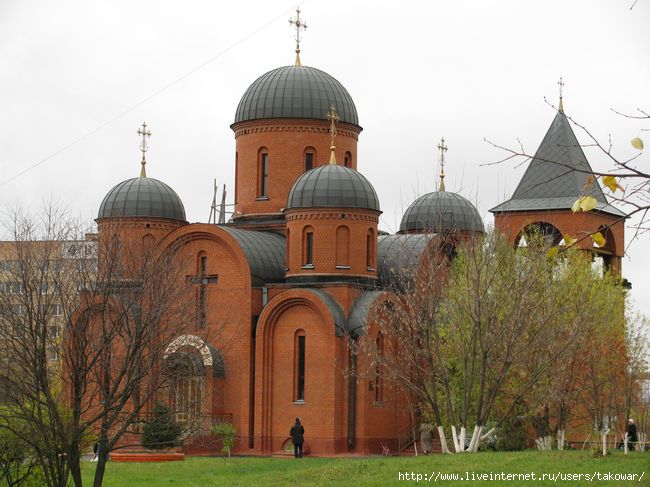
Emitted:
<point x="556" y="177"/>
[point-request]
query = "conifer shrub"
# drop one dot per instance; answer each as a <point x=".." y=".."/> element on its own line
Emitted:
<point x="162" y="431"/>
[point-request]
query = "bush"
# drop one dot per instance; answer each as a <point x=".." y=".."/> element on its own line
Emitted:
<point x="228" y="432"/>
<point x="17" y="460"/>
<point x="162" y="431"/>
<point x="511" y="436"/>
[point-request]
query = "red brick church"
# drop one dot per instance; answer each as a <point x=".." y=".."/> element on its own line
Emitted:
<point x="302" y="266"/>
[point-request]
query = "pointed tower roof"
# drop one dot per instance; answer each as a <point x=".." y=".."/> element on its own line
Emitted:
<point x="556" y="176"/>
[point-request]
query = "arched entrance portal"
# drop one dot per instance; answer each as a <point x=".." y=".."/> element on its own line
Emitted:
<point x="192" y="366"/>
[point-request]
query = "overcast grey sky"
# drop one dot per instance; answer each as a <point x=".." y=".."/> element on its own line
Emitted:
<point x="417" y="70"/>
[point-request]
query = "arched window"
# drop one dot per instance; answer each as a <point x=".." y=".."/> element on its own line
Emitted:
<point x="342" y="246"/>
<point x="299" y="350"/>
<point x="370" y="249"/>
<point x="310" y="158"/>
<point x="347" y="159"/>
<point x="286" y="258"/>
<point x="604" y="253"/>
<point x="262" y="173"/>
<point x="379" y="379"/>
<point x="236" y="175"/>
<point x="539" y="234"/>
<point x="308" y="247"/>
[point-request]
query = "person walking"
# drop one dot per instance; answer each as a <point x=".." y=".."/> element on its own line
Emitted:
<point x="426" y="437"/>
<point x="297" y="433"/>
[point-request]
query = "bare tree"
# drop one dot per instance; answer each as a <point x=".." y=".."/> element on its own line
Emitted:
<point x="119" y="305"/>
<point x="408" y="353"/>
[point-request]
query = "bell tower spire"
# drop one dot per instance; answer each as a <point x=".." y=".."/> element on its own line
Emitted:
<point x="561" y="85"/>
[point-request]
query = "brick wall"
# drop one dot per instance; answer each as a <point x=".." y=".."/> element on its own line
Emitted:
<point x="286" y="141"/>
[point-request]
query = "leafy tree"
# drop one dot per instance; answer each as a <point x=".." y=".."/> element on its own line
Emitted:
<point x="162" y="431"/>
<point x="473" y="339"/>
<point x="228" y="432"/>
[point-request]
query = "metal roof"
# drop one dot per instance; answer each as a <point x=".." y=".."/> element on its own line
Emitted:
<point x="265" y="252"/>
<point x="556" y="175"/>
<point x="142" y="197"/>
<point x="359" y="313"/>
<point x="296" y="92"/>
<point x="333" y="185"/>
<point x="397" y="256"/>
<point x="335" y="309"/>
<point x="441" y="211"/>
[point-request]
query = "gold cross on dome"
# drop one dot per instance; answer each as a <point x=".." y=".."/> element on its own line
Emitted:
<point x="144" y="147"/>
<point x="443" y="148"/>
<point x="333" y="117"/>
<point x="300" y="24"/>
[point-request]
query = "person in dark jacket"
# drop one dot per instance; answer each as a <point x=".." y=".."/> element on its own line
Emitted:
<point x="297" y="433"/>
<point x="631" y="433"/>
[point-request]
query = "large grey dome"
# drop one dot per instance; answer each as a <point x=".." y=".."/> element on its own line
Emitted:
<point x="441" y="211"/>
<point x="333" y="185"/>
<point x="296" y="92"/>
<point x="144" y="197"/>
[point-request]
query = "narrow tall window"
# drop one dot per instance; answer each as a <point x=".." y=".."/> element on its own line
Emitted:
<point x="299" y="366"/>
<point x="347" y="160"/>
<point x="379" y="379"/>
<point x="308" y="247"/>
<point x="309" y="259"/>
<point x="236" y="175"/>
<point x="309" y="159"/>
<point x="263" y="174"/>
<point x="287" y="257"/>
<point x="370" y="249"/>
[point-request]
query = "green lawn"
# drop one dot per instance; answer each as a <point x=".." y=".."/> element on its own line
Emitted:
<point x="249" y="471"/>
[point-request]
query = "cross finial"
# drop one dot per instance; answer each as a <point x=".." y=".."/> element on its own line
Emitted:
<point x="333" y="117"/>
<point x="443" y="148"/>
<point x="561" y="85"/>
<point x="144" y="147"/>
<point x="300" y="24"/>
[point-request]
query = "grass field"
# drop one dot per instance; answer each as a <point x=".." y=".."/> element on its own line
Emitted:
<point x="275" y="472"/>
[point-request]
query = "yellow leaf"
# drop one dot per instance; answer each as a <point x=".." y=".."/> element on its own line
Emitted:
<point x="611" y="183"/>
<point x="637" y="143"/>
<point x="569" y="240"/>
<point x="552" y="252"/>
<point x="576" y="205"/>
<point x="599" y="239"/>
<point x="587" y="203"/>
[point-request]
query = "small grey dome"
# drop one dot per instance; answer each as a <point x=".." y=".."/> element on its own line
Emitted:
<point x="441" y="211"/>
<point x="145" y="197"/>
<point x="333" y="185"/>
<point x="296" y="92"/>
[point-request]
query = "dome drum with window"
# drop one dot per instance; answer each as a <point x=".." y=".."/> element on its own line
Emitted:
<point x="332" y="213"/>
<point x="282" y="131"/>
